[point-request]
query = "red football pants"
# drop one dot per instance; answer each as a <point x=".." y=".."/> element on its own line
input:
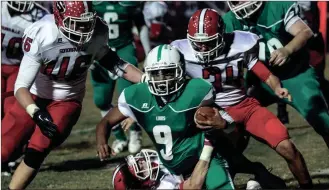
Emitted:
<point x="8" y="77"/>
<point x="18" y="127"/>
<point x="259" y="121"/>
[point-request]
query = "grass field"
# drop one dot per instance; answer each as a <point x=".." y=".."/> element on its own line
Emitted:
<point x="74" y="165"/>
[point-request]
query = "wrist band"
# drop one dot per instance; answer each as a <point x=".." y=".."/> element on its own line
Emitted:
<point x="206" y="153"/>
<point x="31" y="109"/>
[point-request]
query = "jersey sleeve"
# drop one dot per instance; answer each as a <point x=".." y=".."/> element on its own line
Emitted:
<point x="231" y="22"/>
<point x="209" y="99"/>
<point x="291" y="12"/>
<point x="124" y="107"/>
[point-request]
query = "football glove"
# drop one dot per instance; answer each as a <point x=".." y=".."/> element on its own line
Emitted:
<point x="43" y="119"/>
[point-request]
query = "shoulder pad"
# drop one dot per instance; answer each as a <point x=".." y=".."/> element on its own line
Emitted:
<point x="244" y="41"/>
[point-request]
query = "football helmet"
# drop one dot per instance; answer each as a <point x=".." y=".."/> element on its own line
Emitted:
<point x="21" y="6"/>
<point x="205" y="34"/>
<point x="75" y="20"/>
<point x="244" y="9"/>
<point x="165" y="70"/>
<point x="154" y="13"/>
<point x="139" y="171"/>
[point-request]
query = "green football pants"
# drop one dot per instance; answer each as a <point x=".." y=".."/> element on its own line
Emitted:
<point x="218" y="176"/>
<point x="307" y="99"/>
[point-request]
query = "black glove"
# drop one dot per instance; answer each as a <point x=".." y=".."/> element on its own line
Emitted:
<point x="45" y="122"/>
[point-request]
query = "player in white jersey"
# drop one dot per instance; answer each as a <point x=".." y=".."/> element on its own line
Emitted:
<point x="16" y="16"/>
<point x="145" y="171"/>
<point x="220" y="58"/>
<point x="58" y="50"/>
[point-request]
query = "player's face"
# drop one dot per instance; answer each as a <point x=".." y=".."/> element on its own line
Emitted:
<point x="162" y="79"/>
<point x="204" y="46"/>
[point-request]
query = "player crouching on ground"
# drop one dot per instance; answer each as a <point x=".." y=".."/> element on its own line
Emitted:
<point x="58" y="50"/>
<point x="164" y="106"/>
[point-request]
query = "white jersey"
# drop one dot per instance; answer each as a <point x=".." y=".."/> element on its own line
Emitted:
<point x="12" y="29"/>
<point x="226" y="71"/>
<point x="62" y="66"/>
<point x="168" y="180"/>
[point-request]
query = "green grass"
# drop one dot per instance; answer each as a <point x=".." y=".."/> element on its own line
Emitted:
<point x="74" y="165"/>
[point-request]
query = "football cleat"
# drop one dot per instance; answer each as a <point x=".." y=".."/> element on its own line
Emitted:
<point x="135" y="142"/>
<point x="119" y="145"/>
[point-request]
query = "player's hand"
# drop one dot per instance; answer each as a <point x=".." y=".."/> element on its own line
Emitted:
<point x="283" y="93"/>
<point x="216" y="121"/>
<point x="43" y="119"/>
<point x="104" y="151"/>
<point x="279" y="56"/>
<point x="127" y="123"/>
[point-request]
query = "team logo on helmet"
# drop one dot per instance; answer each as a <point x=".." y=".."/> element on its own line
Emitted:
<point x="60" y="5"/>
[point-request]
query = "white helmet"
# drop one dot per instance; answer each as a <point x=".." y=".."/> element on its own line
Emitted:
<point x="21" y="6"/>
<point x="164" y="70"/>
<point x="244" y="9"/>
<point x="154" y="12"/>
<point x="145" y="165"/>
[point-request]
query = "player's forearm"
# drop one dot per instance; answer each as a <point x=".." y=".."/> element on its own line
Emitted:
<point x="200" y="170"/>
<point x="299" y="40"/>
<point x="102" y="131"/>
<point x="198" y="176"/>
<point x="273" y="82"/>
<point x="145" y="39"/>
<point x="24" y="97"/>
<point x="132" y="74"/>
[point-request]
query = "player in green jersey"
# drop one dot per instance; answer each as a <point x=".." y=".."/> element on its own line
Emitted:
<point x="283" y="36"/>
<point x="164" y="106"/>
<point x="120" y="17"/>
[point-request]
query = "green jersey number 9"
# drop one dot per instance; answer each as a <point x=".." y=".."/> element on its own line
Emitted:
<point x="162" y="135"/>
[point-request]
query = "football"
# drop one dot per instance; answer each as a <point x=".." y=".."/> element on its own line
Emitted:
<point x="203" y="113"/>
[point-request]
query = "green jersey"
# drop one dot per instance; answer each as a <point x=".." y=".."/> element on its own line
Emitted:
<point x="171" y="126"/>
<point x="271" y="26"/>
<point x="119" y="17"/>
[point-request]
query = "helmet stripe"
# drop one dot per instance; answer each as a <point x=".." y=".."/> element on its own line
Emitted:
<point x="159" y="52"/>
<point x="86" y="6"/>
<point x="201" y="23"/>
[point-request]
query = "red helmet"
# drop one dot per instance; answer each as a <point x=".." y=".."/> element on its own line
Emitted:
<point x="21" y="6"/>
<point x="205" y="34"/>
<point x="140" y="171"/>
<point x="123" y="179"/>
<point x="75" y="20"/>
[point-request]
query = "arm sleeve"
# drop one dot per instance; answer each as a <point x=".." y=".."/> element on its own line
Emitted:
<point x="32" y="59"/>
<point x="251" y="57"/>
<point x="261" y="71"/>
<point x="113" y="63"/>
<point x="124" y="107"/>
<point x="28" y="70"/>
<point x="209" y="99"/>
<point x="292" y="14"/>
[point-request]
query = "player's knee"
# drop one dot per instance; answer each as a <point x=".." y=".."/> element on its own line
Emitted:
<point x="101" y="102"/>
<point x="287" y="150"/>
<point x="34" y="158"/>
<point x="5" y="154"/>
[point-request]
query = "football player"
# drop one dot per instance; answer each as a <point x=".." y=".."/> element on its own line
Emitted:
<point x="145" y="171"/>
<point x="16" y="17"/>
<point x="164" y="106"/>
<point x="283" y="37"/>
<point x="120" y="17"/>
<point x="220" y="58"/>
<point x="58" y="50"/>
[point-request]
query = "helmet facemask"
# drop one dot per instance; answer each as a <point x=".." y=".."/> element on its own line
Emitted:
<point x="244" y="9"/>
<point x="79" y="29"/>
<point x="21" y="6"/>
<point x="206" y="48"/>
<point x="145" y="165"/>
<point x="165" y="80"/>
